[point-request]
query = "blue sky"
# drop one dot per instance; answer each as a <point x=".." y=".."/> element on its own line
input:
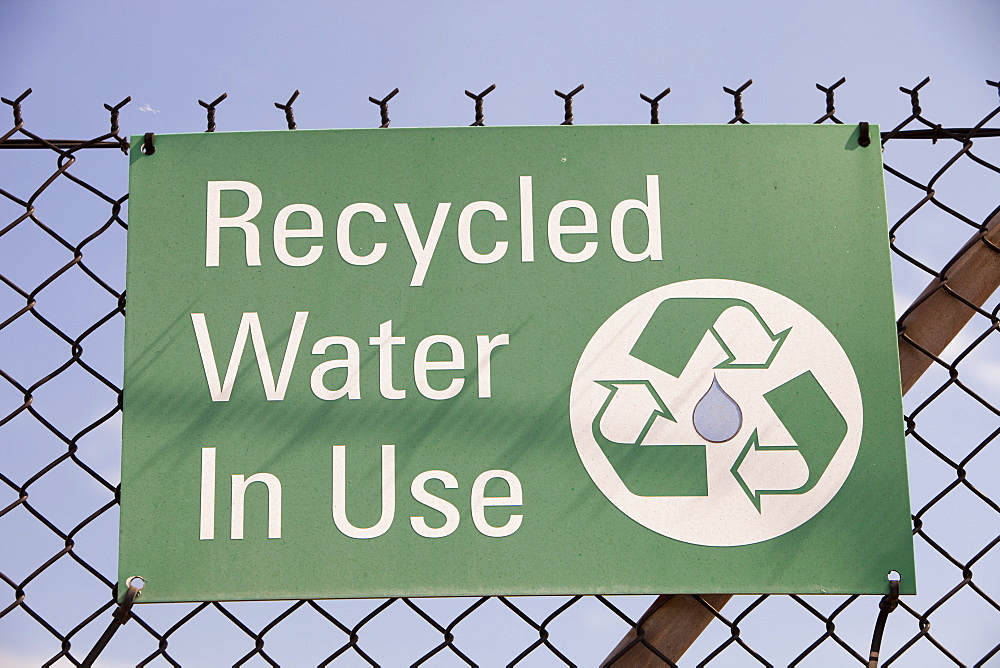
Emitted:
<point x="77" y="56"/>
<point x="83" y="54"/>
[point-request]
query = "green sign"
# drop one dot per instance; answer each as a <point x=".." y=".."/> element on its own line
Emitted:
<point x="540" y="360"/>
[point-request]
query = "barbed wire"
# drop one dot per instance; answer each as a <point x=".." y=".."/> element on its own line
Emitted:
<point x="34" y="501"/>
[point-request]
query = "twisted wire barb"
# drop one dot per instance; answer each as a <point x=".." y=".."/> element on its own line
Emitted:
<point x="568" y="104"/>
<point x="114" y="111"/>
<point x="16" y="104"/>
<point x="914" y="94"/>
<point x="383" y="106"/>
<point x="210" y="110"/>
<point x="479" y="103"/>
<point x="654" y="105"/>
<point x="287" y="107"/>
<point x="738" y="102"/>
<point x="830" y="110"/>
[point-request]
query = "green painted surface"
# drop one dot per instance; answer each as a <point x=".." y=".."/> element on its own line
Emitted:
<point x="812" y="420"/>
<point x="798" y="210"/>
<point x="685" y="323"/>
<point x="679" y="470"/>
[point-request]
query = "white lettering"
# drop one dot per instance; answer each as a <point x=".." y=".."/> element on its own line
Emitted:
<point x="465" y="232"/>
<point x="214" y="220"/>
<point x="421" y="495"/>
<point x="352" y="386"/>
<point x="421" y="365"/>
<point x="385" y="341"/>
<point x="273" y="504"/>
<point x="340" y="494"/>
<point x="344" y="234"/>
<point x="480" y="501"/>
<point x="249" y="325"/>
<point x="207" y="524"/>
<point x="527" y="219"/>
<point x="557" y="230"/>
<point x="422" y="252"/>
<point x="485" y="346"/>
<point x="423" y="242"/>
<point x="654" y="248"/>
<point x="282" y="234"/>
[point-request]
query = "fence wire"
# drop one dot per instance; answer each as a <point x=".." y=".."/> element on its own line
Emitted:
<point x="62" y="308"/>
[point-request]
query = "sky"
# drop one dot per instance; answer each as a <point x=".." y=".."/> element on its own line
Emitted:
<point x="78" y="56"/>
<point x="338" y="54"/>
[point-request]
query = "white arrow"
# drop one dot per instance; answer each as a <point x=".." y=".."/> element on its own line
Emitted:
<point x="760" y="469"/>
<point x="630" y="410"/>
<point x="746" y="338"/>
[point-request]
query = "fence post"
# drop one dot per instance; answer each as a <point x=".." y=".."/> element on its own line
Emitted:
<point x="949" y="301"/>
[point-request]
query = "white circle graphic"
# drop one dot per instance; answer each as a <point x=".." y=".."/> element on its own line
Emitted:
<point x="761" y="481"/>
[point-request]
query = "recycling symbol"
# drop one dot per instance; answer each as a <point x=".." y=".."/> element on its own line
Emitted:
<point x="716" y="412"/>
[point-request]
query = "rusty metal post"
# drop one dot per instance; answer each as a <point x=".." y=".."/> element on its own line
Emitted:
<point x="949" y="301"/>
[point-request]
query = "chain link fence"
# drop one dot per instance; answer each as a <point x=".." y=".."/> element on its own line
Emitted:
<point x="63" y="212"/>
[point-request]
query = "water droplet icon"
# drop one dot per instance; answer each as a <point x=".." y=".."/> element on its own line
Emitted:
<point x="717" y="417"/>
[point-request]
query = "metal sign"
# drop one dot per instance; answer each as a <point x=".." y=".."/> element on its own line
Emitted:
<point x="547" y="360"/>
